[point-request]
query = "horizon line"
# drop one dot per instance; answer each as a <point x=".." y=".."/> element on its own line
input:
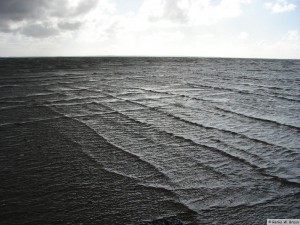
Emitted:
<point x="146" y="56"/>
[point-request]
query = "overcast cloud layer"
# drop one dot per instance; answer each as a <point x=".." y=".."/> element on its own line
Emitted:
<point x="230" y="28"/>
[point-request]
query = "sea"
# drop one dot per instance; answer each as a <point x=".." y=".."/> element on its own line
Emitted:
<point x="149" y="140"/>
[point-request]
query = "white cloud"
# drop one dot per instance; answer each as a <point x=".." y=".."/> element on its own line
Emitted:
<point x="84" y="23"/>
<point x="191" y="12"/>
<point x="165" y="27"/>
<point x="206" y="36"/>
<point x="286" y="47"/>
<point x="243" y="35"/>
<point x="292" y="35"/>
<point x="280" y="6"/>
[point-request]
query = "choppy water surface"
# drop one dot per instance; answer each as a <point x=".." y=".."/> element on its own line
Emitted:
<point x="128" y="140"/>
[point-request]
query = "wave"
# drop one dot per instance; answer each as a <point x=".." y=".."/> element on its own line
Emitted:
<point x="227" y="110"/>
<point x="152" y="178"/>
<point x="145" y="121"/>
<point x="187" y="121"/>
<point x="119" y="148"/>
<point x="297" y="129"/>
<point x="243" y="91"/>
<point x="230" y="154"/>
<point x="162" y="131"/>
<point x="215" y="128"/>
<point x="20" y="123"/>
<point x="270" y="122"/>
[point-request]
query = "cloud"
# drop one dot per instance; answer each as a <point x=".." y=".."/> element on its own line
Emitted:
<point x="280" y="6"/>
<point x="153" y="27"/>
<point x="96" y="19"/>
<point x="289" y="46"/>
<point x="243" y="35"/>
<point x="69" y="25"/>
<point x="292" y="35"/>
<point x="4" y="27"/>
<point x="39" y="31"/>
<point x="170" y="10"/>
<point x="190" y="12"/>
<point x="65" y="9"/>
<point x="85" y="6"/>
<point x="206" y="36"/>
<point x="43" y="18"/>
<point x="16" y="10"/>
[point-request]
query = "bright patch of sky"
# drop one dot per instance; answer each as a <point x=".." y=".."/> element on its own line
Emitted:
<point x="213" y="28"/>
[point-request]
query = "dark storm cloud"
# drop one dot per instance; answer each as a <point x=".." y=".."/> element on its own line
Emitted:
<point x="69" y="26"/>
<point x="32" y="15"/>
<point x="39" y="31"/>
<point x="4" y="27"/>
<point x="16" y="10"/>
<point x="85" y="6"/>
<point x="61" y="8"/>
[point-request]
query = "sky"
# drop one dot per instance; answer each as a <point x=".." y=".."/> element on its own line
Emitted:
<point x="201" y="28"/>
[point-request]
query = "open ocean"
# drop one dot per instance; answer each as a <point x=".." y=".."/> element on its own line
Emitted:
<point x="115" y="141"/>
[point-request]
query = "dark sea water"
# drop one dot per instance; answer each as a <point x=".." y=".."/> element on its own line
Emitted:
<point x="115" y="141"/>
